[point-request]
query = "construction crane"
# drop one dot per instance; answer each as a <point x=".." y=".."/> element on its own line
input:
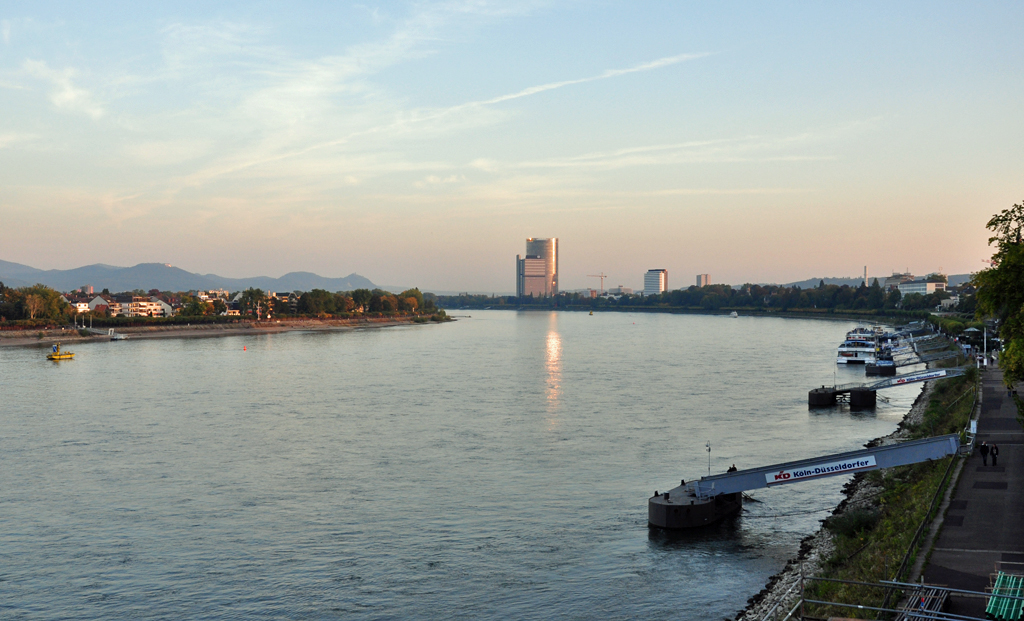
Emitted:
<point x="602" y="276"/>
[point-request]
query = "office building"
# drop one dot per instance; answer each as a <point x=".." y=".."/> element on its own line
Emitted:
<point x="703" y="280"/>
<point x="921" y="286"/>
<point x="897" y="278"/>
<point x="655" y="282"/>
<point x="537" y="272"/>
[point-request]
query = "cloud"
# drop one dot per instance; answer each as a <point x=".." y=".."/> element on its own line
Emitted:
<point x="756" y="148"/>
<point x="5" y="29"/>
<point x="10" y="139"/>
<point x="65" y="94"/>
<point x="168" y="152"/>
<point x="611" y="73"/>
<point x="392" y="51"/>
<point x="430" y="180"/>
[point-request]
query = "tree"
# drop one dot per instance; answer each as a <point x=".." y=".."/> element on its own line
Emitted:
<point x="40" y="301"/>
<point x="1000" y="289"/>
<point x="316" y="302"/>
<point x="253" y="302"/>
<point x="388" y="303"/>
<point x="343" y="303"/>
<point x="361" y="297"/>
<point x="195" y="307"/>
<point x="219" y="307"/>
<point x="279" y="306"/>
<point x="33" y="305"/>
<point x="412" y="293"/>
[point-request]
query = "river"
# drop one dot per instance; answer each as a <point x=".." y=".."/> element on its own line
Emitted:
<point x="495" y="467"/>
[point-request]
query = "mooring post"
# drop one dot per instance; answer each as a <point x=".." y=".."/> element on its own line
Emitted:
<point x="802" y="595"/>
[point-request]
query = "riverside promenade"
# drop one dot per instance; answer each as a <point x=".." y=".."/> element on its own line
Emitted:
<point x="984" y="524"/>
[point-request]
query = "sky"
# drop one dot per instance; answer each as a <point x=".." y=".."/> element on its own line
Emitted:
<point x="420" y="144"/>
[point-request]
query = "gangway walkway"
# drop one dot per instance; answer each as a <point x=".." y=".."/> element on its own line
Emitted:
<point x="863" y="395"/>
<point x="715" y="497"/>
<point x="910" y="452"/>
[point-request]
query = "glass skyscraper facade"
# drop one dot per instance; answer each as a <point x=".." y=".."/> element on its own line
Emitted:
<point x="537" y="272"/>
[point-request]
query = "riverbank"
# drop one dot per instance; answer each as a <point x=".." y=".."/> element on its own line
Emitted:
<point x="69" y="335"/>
<point x="816" y="550"/>
<point x="875" y="317"/>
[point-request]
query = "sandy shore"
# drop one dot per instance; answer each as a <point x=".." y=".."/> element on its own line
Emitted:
<point x="816" y="548"/>
<point x="68" y="335"/>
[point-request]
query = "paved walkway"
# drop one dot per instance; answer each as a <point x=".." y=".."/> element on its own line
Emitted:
<point x="985" y="521"/>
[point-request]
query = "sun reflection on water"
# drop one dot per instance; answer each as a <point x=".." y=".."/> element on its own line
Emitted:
<point x="553" y="365"/>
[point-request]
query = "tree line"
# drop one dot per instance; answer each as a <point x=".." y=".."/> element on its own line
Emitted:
<point x="35" y="302"/>
<point x="41" y="303"/>
<point x="726" y="297"/>
<point x="1000" y="290"/>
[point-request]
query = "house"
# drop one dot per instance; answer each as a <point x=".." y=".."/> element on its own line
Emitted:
<point x="109" y="304"/>
<point x="81" y="305"/>
<point x="142" y="306"/>
<point x="165" y="309"/>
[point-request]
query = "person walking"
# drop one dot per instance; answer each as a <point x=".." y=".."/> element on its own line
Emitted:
<point x="994" y="452"/>
<point x="983" y="449"/>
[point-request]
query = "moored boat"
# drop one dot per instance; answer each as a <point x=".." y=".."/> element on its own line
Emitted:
<point x="58" y="354"/>
<point x="856" y="351"/>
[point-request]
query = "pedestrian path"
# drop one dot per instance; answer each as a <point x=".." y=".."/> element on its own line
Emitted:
<point x="984" y="524"/>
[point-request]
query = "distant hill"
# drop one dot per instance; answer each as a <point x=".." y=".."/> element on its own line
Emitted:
<point x="148" y="276"/>
<point x="810" y="283"/>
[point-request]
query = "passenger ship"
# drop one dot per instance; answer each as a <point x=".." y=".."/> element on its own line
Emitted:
<point x="858" y="348"/>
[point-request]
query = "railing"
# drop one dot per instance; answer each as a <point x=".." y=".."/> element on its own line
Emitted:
<point x="935" y="499"/>
<point x="929" y="609"/>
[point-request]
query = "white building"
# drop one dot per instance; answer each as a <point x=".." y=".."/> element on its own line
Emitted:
<point x="113" y="306"/>
<point x="703" y="280"/>
<point x="165" y="308"/>
<point x="78" y="305"/>
<point x="213" y="294"/>
<point x="921" y="286"/>
<point x="655" y="282"/>
<point x="141" y="306"/>
<point x="620" y="290"/>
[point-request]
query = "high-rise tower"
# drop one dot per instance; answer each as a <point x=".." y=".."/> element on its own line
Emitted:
<point x="537" y="272"/>
<point x="655" y="282"/>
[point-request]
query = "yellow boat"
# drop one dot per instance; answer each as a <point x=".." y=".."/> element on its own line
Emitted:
<point x="57" y="354"/>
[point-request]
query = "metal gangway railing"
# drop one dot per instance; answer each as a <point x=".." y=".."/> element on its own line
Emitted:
<point x="918" y="376"/>
<point x="924" y="602"/>
<point x="910" y="452"/>
<point x="899" y="380"/>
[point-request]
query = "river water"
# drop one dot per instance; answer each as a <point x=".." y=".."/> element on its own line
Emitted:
<point x="491" y="468"/>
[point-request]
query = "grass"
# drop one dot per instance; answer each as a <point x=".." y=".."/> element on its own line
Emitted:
<point x="872" y="539"/>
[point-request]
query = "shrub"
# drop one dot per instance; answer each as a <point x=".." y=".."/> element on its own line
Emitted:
<point x="852" y="522"/>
